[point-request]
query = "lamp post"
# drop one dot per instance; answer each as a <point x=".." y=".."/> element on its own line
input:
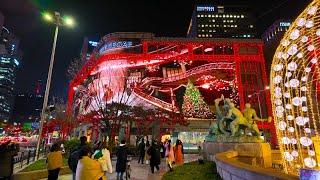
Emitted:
<point x="258" y="97"/>
<point x="58" y="21"/>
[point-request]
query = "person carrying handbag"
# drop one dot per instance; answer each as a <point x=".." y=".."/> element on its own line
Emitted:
<point x="102" y="155"/>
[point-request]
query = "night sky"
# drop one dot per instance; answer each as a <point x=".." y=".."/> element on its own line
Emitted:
<point x="97" y="18"/>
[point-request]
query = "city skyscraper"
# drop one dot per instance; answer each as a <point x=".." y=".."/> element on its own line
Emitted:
<point x="272" y="37"/>
<point x="9" y="62"/>
<point x="222" y="21"/>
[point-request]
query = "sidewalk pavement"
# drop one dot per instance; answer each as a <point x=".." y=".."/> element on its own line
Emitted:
<point x="139" y="171"/>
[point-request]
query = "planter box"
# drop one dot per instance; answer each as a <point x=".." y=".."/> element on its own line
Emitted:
<point x="38" y="174"/>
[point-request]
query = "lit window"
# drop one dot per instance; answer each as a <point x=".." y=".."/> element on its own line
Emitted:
<point x="232" y="26"/>
<point x="209" y="15"/>
<point x="198" y="15"/>
<point x="238" y="16"/>
<point x="242" y="16"/>
<point x="224" y="21"/>
<point x="213" y="20"/>
<point x="213" y="25"/>
<point x="217" y="16"/>
<point x="199" y="35"/>
<point x="201" y="15"/>
<point x="227" y="15"/>
<point x="210" y="25"/>
<point x="210" y="35"/>
<point x="231" y="16"/>
<point x="224" y="26"/>
<point x="210" y="30"/>
<point x="231" y="20"/>
<point x="235" y="25"/>
<point x="251" y="26"/>
<point x="202" y="25"/>
<point x="220" y="16"/>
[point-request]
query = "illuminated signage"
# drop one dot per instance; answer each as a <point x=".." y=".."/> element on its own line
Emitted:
<point x="285" y="24"/>
<point x="119" y="44"/>
<point x="16" y="62"/>
<point x="93" y="43"/>
<point x="205" y="8"/>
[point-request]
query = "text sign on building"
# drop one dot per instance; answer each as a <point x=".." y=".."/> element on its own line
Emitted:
<point x="285" y="24"/>
<point x="205" y="8"/>
<point x="119" y="44"/>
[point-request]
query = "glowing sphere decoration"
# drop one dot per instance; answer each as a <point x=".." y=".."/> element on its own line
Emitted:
<point x="295" y="78"/>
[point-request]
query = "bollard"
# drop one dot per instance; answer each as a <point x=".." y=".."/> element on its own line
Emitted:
<point x="21" y="159"/>
<point x="34" y="155"/>
<point x="28" y="160"/>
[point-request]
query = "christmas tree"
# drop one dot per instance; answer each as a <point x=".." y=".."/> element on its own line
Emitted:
<point x="193" y="103"/>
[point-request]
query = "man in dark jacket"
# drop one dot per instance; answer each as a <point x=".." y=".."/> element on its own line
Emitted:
<point x="75" y="156"/>
<point x="154" y="152"/>
<point x="142" y="151"/>
<point x="121" y="160"/>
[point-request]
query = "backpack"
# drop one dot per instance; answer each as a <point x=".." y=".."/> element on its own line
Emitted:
<point x="73" y="160"/>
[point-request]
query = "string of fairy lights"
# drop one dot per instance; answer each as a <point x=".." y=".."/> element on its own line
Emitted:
<point x="294" y="80"/>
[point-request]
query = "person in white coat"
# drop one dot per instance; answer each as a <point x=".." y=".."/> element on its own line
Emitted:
<point x="102" y="154"/>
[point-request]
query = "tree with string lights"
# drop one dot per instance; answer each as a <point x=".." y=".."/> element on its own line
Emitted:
<point x="194" y="105"/>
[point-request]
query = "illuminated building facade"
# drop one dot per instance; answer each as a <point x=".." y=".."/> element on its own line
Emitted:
<point x="9" y="62"/>
<point x="219" y="21"/>
<point x="156" y="70"/>
<point x="272" y="37"/>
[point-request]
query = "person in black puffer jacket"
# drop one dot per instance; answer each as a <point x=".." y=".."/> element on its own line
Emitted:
<point x="121" y="164"/>
<point x="75" y="156"/>
<point x="154" y="152"/>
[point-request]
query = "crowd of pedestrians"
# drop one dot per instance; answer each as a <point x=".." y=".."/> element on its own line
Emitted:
<point x="156" y="151"/>
<point x="88" y="163"/>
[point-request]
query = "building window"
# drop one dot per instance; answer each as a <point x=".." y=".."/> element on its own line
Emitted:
<point x="242" y="16"/>
<point x="251" y="26"/>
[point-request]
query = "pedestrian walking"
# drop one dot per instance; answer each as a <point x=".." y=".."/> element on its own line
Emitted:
<point x="154" y="152"/>
<point x="178" y="152"/>
<point x="75" y="156"/>
<point x="162" y="150"/>
<point x="121" y="160"/>
<point x="147" y="156"/>
<point x="102" y="155"/>
<point x="141" y="151"/>
<point x="87" y="168"/>
<point x="54" y="162"/>
<point x="169" y="154"/>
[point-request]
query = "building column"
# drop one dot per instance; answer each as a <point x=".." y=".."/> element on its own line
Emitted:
<point x="164" y="72"/>
<point x="183" y="67"/>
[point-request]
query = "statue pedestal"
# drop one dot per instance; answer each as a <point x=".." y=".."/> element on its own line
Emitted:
<point x="261" y="152"/>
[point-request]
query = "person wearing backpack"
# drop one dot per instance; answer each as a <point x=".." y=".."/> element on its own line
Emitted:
<point x="75" y="156"/>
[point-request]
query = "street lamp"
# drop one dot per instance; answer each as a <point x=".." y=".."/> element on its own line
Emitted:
<point x="258" y="97"/>
<point x="58" y="21"/>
